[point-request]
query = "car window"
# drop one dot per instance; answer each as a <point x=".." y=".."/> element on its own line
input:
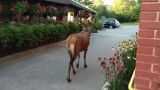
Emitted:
<point x="111" y="21"/>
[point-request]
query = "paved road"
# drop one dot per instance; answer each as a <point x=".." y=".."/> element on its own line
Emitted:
<point x="45" y="68"/>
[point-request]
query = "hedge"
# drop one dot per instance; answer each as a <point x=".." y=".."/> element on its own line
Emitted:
<point x="30" y="35"/>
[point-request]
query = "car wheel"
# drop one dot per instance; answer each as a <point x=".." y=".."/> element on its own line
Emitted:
<point x="111" y="27"/>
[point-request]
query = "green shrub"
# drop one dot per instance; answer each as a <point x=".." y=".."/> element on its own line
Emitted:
<point x="31" y="35"/>
<point x="38" y="33"/>
<point x="98" y="25"/>
<point x="126" y="55"/>
<point x="67" y="29"/>
<point x="73" y="27"/>
<point x="4" y="38"/>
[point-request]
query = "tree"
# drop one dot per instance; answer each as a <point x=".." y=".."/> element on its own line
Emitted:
<point x="97" y="3"/>
<point x="121" y="6"/>
<point x="101" y="10"/>
<point x="126" y="9"/>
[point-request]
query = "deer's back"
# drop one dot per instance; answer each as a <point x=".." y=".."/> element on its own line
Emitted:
<point x="80" y="40"/>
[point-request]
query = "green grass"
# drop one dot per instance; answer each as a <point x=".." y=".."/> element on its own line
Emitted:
<point x="130" y="23"/>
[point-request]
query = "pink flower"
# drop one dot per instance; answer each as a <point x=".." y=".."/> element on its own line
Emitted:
<point x="117" y="62"/>
<point x="113" y="63"/>
<point x="103" y="65"/>
<point x="18" y="16"/>
<point x="111" y="67"/>
<point x="1" y="22"/>
<point x="1" y="6"/>
<point x="26" y="19"/>
<point x="117" y="57"/>
<point x="57" y="9"/>
<point x="12" y="9"/>
<point x="107" y="68"/>
<point x="60" y="21"/>
<point x="38" y="11"/>
<point x="122" y="68"/>
<point x="38" y="4"/>
<point x="44" y="9"/>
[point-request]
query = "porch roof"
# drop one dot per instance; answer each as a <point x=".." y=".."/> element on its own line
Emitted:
<point x="73" y="3"/>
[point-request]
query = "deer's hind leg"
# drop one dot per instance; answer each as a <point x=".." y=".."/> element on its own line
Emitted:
<point x="69" y="69"/>
<point x="78" y="61"/>
<point x="72" y="59"/>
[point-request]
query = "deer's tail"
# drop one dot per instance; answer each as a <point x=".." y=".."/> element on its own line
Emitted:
<point x="71" y="50"/>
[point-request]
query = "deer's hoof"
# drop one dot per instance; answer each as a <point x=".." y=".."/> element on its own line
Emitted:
<point x="68" y="80"/>
<point x="74" y="72"/>
<point x="77" y="65"/>
<point x="85" y="66"/>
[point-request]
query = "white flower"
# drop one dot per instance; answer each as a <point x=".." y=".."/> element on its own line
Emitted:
<point x="131" y="48"/>
<point x="128" y="57"/>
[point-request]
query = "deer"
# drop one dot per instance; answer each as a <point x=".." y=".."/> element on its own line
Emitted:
<point x="75" y="44"/>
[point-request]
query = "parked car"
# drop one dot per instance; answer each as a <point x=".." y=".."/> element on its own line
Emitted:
<point x="111" y="23"/>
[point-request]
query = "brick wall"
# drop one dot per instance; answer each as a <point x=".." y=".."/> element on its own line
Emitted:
<point x="148" y="52"/>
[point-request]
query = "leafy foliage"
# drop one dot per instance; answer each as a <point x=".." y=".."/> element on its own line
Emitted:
<point x="121" y="65"/>
<point x="126" y="10"/>
<point x="27" y="36"/>
<point x="51" y="11"/>
<point x="97" y="3"/>
<point x="20" y="7"/>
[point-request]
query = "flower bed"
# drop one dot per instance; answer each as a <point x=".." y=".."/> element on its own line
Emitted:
<point x="19" y="37"/>
<point x="119" y="68"/>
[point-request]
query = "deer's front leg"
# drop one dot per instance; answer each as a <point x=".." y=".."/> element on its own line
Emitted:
<point x="85" y="52"/>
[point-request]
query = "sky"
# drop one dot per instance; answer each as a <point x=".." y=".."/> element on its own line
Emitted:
<point x="108" y="2"/>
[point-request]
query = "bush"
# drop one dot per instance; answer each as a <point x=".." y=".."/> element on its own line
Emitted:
<point x="73" y="27"/>
<point x="123" y="65"/>
<point x="31" y="35"/>
<point x="98" y="25"/>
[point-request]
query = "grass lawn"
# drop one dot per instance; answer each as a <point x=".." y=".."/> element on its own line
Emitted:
<point x="130" y="23"/>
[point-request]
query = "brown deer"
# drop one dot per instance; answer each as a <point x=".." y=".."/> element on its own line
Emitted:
<point x="75" y="44"/>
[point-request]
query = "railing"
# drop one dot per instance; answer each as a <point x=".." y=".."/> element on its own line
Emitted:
<point x="131" y="83"/>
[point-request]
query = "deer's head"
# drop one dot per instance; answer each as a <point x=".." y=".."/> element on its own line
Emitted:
<point x="87" y="29"/>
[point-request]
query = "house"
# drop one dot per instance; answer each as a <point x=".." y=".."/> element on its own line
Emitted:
<point x="72" y="10"/>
